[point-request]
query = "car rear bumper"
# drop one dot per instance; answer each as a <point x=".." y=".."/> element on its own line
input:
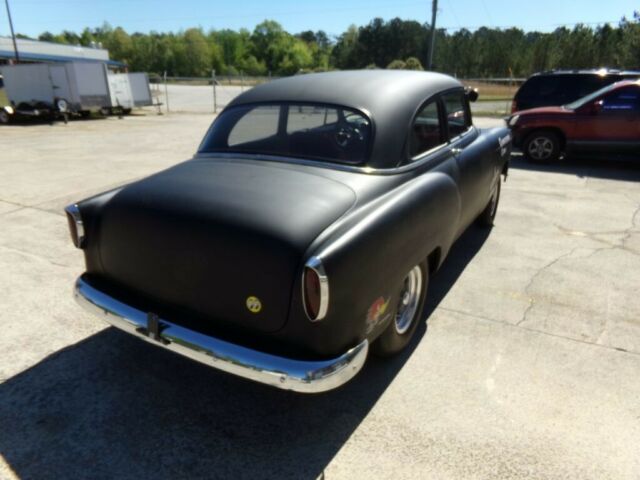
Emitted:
<point x="285" y="373"/>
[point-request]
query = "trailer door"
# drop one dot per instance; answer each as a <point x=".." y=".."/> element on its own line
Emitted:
<point x="60" y="82"/>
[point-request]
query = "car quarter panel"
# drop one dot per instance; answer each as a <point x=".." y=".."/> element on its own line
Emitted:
<point x="366" y="255"/>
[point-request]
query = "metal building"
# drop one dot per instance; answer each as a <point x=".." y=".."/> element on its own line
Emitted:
<point x="36" y="51"/>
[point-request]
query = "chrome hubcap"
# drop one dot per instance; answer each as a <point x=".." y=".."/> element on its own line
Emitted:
<point x="540" y="148"/>
<point x="409" y="297"/>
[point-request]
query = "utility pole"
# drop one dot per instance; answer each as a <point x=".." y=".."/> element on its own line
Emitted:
<point x="434" y="12"/>
<point x="13" y="34"/>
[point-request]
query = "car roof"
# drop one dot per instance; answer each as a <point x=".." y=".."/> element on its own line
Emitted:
<point x="588" y="71"/>
<point x="390" y="98"/>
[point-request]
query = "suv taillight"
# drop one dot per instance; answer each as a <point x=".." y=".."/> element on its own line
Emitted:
<point x="514" y="106"/>
<point x="315" y="290"/>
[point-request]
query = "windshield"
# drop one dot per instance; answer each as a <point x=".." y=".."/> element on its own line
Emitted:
<point x="592" y="96"/>
<point x="319" y="132"/>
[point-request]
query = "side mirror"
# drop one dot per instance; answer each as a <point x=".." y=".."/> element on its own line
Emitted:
<point x="472" y="94"/>
<point x="596" y="107"/>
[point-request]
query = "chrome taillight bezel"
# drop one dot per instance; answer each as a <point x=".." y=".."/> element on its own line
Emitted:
<point x="76" y="226"/>
<point x="315" y="264"/>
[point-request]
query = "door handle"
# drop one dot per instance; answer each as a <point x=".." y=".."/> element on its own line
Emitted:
<point x="456" y="151"/>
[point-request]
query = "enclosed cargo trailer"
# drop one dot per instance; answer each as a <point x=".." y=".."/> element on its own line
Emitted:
<point x="139" y="83"/>
<point x="120" y="92"/>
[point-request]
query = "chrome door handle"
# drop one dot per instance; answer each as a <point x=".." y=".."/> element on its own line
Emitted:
<point x="456" y="151"/>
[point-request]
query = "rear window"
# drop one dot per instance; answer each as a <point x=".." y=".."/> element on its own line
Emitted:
<point x="559" y="89"/>
<point x="458" y="120"/>
<point x="319" y="132"/>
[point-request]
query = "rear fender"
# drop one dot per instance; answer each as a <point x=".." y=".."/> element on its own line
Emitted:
<point x="369" y="252"/>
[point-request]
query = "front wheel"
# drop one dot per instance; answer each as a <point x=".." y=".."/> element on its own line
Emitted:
<point x="4" y="117"/>
<point x="405" y="319"/>
<point x="542" y="146"/>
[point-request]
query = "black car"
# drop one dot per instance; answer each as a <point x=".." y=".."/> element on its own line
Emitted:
<point x="560" y="87"/>
<point x="303" y="231"/>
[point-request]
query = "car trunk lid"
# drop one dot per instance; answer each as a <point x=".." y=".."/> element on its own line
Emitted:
<point x="212" y="236"/>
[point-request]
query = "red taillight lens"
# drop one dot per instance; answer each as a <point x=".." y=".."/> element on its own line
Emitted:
<point x="312" y="294"/>
<point x="514" y="106"/>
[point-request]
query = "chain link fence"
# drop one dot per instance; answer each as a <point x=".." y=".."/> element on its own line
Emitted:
<point x="209" y="95"/>
<point x="200" y="94"/>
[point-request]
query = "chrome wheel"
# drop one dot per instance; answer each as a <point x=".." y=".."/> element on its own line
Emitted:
<point x="540" y="148"/>
<point x="409" y="300"/>
<point x="4" y="117"/>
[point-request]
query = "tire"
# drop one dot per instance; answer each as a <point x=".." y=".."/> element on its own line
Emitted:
<point x="4" y="117"/>
<point x="407" y="313"/>
<point x="488" y="215"/>
<point x="542" y="146"/>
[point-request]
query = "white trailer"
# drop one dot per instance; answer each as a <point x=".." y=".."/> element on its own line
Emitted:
<point x="88" y="86"/>
<point x="75" y="87"/>
<point x="140" y="89"/>
<point x="28" y="84"/>
<point x="120" y="92"/>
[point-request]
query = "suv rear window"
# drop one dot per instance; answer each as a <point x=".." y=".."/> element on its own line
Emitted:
<point x="320" y="132"/>
<point x="561" y="88"/>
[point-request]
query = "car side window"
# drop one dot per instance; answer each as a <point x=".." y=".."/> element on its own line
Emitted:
<point x="458" y="120"/>
<point x="621" y="101"/>
<point x="426" y="131"/>
<point x="260" y="123"/>
<point x="306" y="117"/>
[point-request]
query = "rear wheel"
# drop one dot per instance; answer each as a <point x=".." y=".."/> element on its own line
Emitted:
<point x="542" y="146"/>
<point x="4" y="117"/>
<point x="488" y="215"/>
<point x="412" y="294"/>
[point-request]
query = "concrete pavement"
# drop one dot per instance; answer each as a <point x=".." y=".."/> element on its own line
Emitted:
<point x="529" y="366"/>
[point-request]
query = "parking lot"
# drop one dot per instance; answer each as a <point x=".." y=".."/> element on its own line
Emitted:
<point x="528" y="367"/>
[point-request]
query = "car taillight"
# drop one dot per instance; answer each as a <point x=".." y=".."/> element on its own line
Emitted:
<point x="514" y="106"/>
<point x="76" y="227"/>
<point x="315" y="290"/>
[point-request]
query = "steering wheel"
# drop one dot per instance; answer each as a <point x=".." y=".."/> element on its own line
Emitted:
<point x="346" y="134"/>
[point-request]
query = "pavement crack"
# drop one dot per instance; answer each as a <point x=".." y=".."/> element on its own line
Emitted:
<point x="534" y="277"/>
<point x="32" y="255"/>
<point x="22" y="206"/>
<point x="535" y="330"/>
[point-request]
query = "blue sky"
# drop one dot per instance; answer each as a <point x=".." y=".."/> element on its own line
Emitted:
<point x="32" y="17"/>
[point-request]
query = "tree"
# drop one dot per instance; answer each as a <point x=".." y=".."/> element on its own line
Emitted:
<point x="412" y="63"/>
<point x="197" y="61"/>
<point x="397" y="65"/>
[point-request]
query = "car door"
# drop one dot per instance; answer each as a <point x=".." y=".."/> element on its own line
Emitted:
<point x="475" y="162"/>
<point x="612" y="122"/>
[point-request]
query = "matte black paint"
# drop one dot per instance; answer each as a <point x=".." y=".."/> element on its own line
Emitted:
<point x="195" y="240"/>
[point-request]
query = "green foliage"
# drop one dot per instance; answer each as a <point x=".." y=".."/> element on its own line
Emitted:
<point x="269" y="48"/>
<point x="397" y="65"/>
<point x="412" y="63"/>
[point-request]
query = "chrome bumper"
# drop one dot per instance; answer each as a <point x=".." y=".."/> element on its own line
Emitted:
<point x="285" y="373"/>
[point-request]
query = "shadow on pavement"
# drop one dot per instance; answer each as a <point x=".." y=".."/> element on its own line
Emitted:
<point x="613" y="168"/>
<point x="113" y="406"/>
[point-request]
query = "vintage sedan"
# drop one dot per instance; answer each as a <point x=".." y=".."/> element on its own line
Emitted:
<point x="303" y="232"/>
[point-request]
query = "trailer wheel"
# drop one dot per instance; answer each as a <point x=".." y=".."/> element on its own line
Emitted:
<point x="4" y="117"/>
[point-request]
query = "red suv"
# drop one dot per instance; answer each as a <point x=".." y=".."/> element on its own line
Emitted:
<point x="604" y="121"/>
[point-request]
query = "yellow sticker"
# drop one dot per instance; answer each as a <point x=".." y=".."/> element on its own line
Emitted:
<point x="254" y="304"/>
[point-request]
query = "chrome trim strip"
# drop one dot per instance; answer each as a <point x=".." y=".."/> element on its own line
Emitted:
<point x="280" y="372"/>
<point x="74" y="211"/>
<point x="315" y="264"/>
